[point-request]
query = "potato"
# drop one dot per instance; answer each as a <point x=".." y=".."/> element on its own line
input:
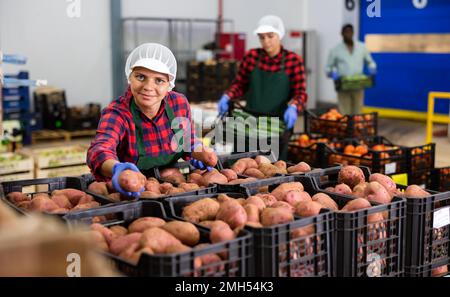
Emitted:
<point x="196" y="179"/>
<point x="16" y="197"/>
<point x="221" y="232"/>
<point x="150" y="195"/>
<point x="24" y="205"/>
<point x="175" y="191"/>
<point x="120" y="243"/>
<point x="294" y="197"/>
<point x="98" y="188"/>
<point x="129" y="253"/>
<point x="99" y="219"/>
<point x="189" y="187"/>
<point x="360" y="189"/>
<point x="152" y="185"/>
<point x="308" y="208"/>
<point x="209" y="260"/>
<point x="172" y="175"/>
<point x="119" y="230"/>
<point x="206" y="155"/>
<point x="99" y="240"/>
<point x="62" y="201"/>
<point x="201" y="210"/>
<point x="73" y="195"/>
<point x="158" y="240"/>
<point x="84" y="206"/>
<point x="185" y="232"/>
<point x="329" y="189"/>
<point x="42" y="203"/>
<point x="144" y="223"/>
<point x="326" y="201"/>
<point x="300" y="167"/>
<point x="232" y="213"/>
<point x="262" y="160"/>
<point x="351" y="176"/>
<point x="242" y="164"/>
<point x="132" y="181"/>
<point x="165" y="188"/>
<point x="85" y="199"/>
<point x="208" y="223"/>
<point x="253" y="172"/>
<point x="343" y="189"/>
<point x="283" y="204"/>
<point x="107" y="233"/>
<point x="376" y="192"/>
<point x="253" y="225"/>
<point x="135" y="257"/>
<point x="176" y="249"/>
<point x="252" y="213"/>
<point x="356" y="204"/>
<point x="414" y="191"/>
<point x="270" y="170"/>
<point x="385" y="181"/>
<point x="439" y="271"/>
<point x="268" y="199"/>
<point x="214" y="177"/>
<point x="115" y="197"/>
<point x="229" y="174"/>
<point x="59" y="211"/>
<point x="223" y="197"/>
<point x="241" y="201"/>
<point x="275" y="216"/>
<point x="257" y="201"/>
<point x="281" y="165"/>
<point x="280" y="192"/>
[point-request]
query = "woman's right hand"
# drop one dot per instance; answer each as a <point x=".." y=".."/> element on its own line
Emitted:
<point x="116" y="171"/>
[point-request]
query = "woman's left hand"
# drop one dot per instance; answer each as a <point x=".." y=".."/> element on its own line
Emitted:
<point x="290" y="116"/>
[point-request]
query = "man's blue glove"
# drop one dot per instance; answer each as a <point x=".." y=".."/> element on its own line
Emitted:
<point x="290" y="116"/>
<point x="224" y="104"/>
<point x="334" y="75"/>
<point x="118" y="168"/>
<point x="196" y="163"/>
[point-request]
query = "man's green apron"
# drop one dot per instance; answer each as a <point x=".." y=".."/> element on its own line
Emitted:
<point x="145" y="162"/>
<point x="268" y="95"/>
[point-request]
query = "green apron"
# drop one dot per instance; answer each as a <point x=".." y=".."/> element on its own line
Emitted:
<point x="148" y="162"/>
<point x="268" y="95"/>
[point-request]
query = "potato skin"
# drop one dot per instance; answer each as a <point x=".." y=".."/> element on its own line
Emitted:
<point x="232" y="213"/>
<point x="229" y="174"/>
<point x="300" y="167"/>
<point x="308" y="208"/>
<point x="99" y="188"/>
<point x="141" y="224"/>
<point x="326" y="201"/>
<point x="185" y="232"/>
<point x="201" y="210"/>
<point x="414" y="191"/>
<point x="132" y="181"/>
<point x="158" y="240"/>
<point x="274" y="216"/>
<point x="351" y="176"/>
<point x="252" y="213"/>
<point x="119" y="244"/>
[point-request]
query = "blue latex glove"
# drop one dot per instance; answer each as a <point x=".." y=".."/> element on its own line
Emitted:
<point x="117" y="170"/>
<point x="334" y="75"/>
<point x="224" y="104"/>
<point x="290" y="116"/>
<point x="199" y="164"/>
<point x="372" y="71"/>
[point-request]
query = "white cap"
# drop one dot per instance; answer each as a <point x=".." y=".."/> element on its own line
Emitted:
<point x="270" y="23"/>
<point x="155" y="57"/>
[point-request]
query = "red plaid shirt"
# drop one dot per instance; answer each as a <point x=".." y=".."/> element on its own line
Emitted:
<point x="294" y="68"/>
<point x="116" y="132"/>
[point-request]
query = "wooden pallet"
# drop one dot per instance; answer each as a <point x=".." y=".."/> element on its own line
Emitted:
<point x="59" y="135"/>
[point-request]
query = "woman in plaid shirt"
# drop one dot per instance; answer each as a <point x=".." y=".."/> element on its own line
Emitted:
<point x="136" y="131"/>
<point x="271" y="78"/>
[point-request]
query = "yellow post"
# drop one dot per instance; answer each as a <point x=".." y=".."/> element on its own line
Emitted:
<point x="430" y="114"/>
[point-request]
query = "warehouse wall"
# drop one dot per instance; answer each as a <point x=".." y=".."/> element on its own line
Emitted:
<point x="71" y="53"/>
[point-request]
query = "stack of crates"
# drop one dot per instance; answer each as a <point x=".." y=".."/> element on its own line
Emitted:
<point x="16" y="105"/>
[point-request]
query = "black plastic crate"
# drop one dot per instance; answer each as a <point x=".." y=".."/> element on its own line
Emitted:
<point x="363" y="248"/>
<point x="226" y="161"/>
<point x="385" y="161"/>
<point x="440" y="179"/>
<point x="349" y="126"/>
<point x="177" y="264"/>
<point x="420" y="158"/>
<point x="276" y="252"/>
<point x="427" y="237"/>
<point x="311" y="151"/>
<point x="57" y="183"/>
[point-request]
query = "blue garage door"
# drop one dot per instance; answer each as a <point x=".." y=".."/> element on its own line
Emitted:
<point x="404" y="79"/>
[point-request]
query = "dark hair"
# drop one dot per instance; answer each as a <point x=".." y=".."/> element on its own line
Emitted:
<point x="347" y="26"/>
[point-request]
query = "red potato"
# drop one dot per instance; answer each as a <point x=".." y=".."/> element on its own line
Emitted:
<point x="107" y="233"/>
<point x="119" y="244"/>
<point x="119" y="230"/>
<point x="59" y="211"/>
<point x="115" y="197"/>
<point x="201" y="210"/>
<point x="158" y="240"/>
<point x="252" y="213"/>
<point x="16" y="197"/>
<point x="343" y="189"/>
<point x="99" y="188"/>
<point x="270" y="170"/>
<point x="253" y="172"/>
<point x="164" y="188"/>
<point x="206" y="155"/>
<point x="326" y="201"/>
<point x="128" y="253"/>
<point x="99" y="240"/>
<point x="196" y="179"/>
<point x="136" y="255"/>
<point x="275" y="216"/>
<point x="356" y="204"/>
<point x="268" y="199"/>
<point x="210" y="223"/>
<point x="229" y="174"/>
<point x="257" y="201"/>
<point x="360" y="189"/>
<point x="294" y="197"/>
<point x="73" y="195"/>
<point x="132" y="181"/>
<point x="172" y="175"/>
<point x="262" y="160"/>
<point x="280" y="191"/>
<point x="221" y="232"/>
<point x="62" y="201"/>
<point x="42" y="204"/>
<point x="385" y="181"/>
<point x="242" y="181"/>
<point x="85" y="199"/>
<point x="175" y="249"/>
<point x="174" y="191"/>
<point x="84" y="206"/>
<point x="329" y="189"/>
<point x="253" y="225"/>
<point x="232" y="213"/>
<point x="152" y="185"/>
<point x="281" y="165"/>
<point x="308" y="208"/>
<point x="440" y="271"/>
<point x="414" y="191"/>
<point x="24" y="205"/>
<point x="223" y="197"/>
<point x="150" y="195"/>
<point x="242" y="164"/>
<point x="185" y="232"/>
<point x="300" y="167"/>
<point x="351" y="176"/>
<point x="214" y="177"/>
<point x="188" y="187"/>
<point x="141" y="224"/>
<point x="377" y="193"/>
<point x="283" y="204"/>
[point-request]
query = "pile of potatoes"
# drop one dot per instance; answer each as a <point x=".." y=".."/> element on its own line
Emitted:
<point x="155" y="236"/>
<point x="57" y="202"/>
<point x="261" y="167"/>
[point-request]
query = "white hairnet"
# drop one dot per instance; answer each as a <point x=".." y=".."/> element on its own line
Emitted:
<point x="270" y="23"/>
<point x="155" y="57"/>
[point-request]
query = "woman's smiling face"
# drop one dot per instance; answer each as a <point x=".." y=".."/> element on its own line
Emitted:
<point x="148" y="87"/>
